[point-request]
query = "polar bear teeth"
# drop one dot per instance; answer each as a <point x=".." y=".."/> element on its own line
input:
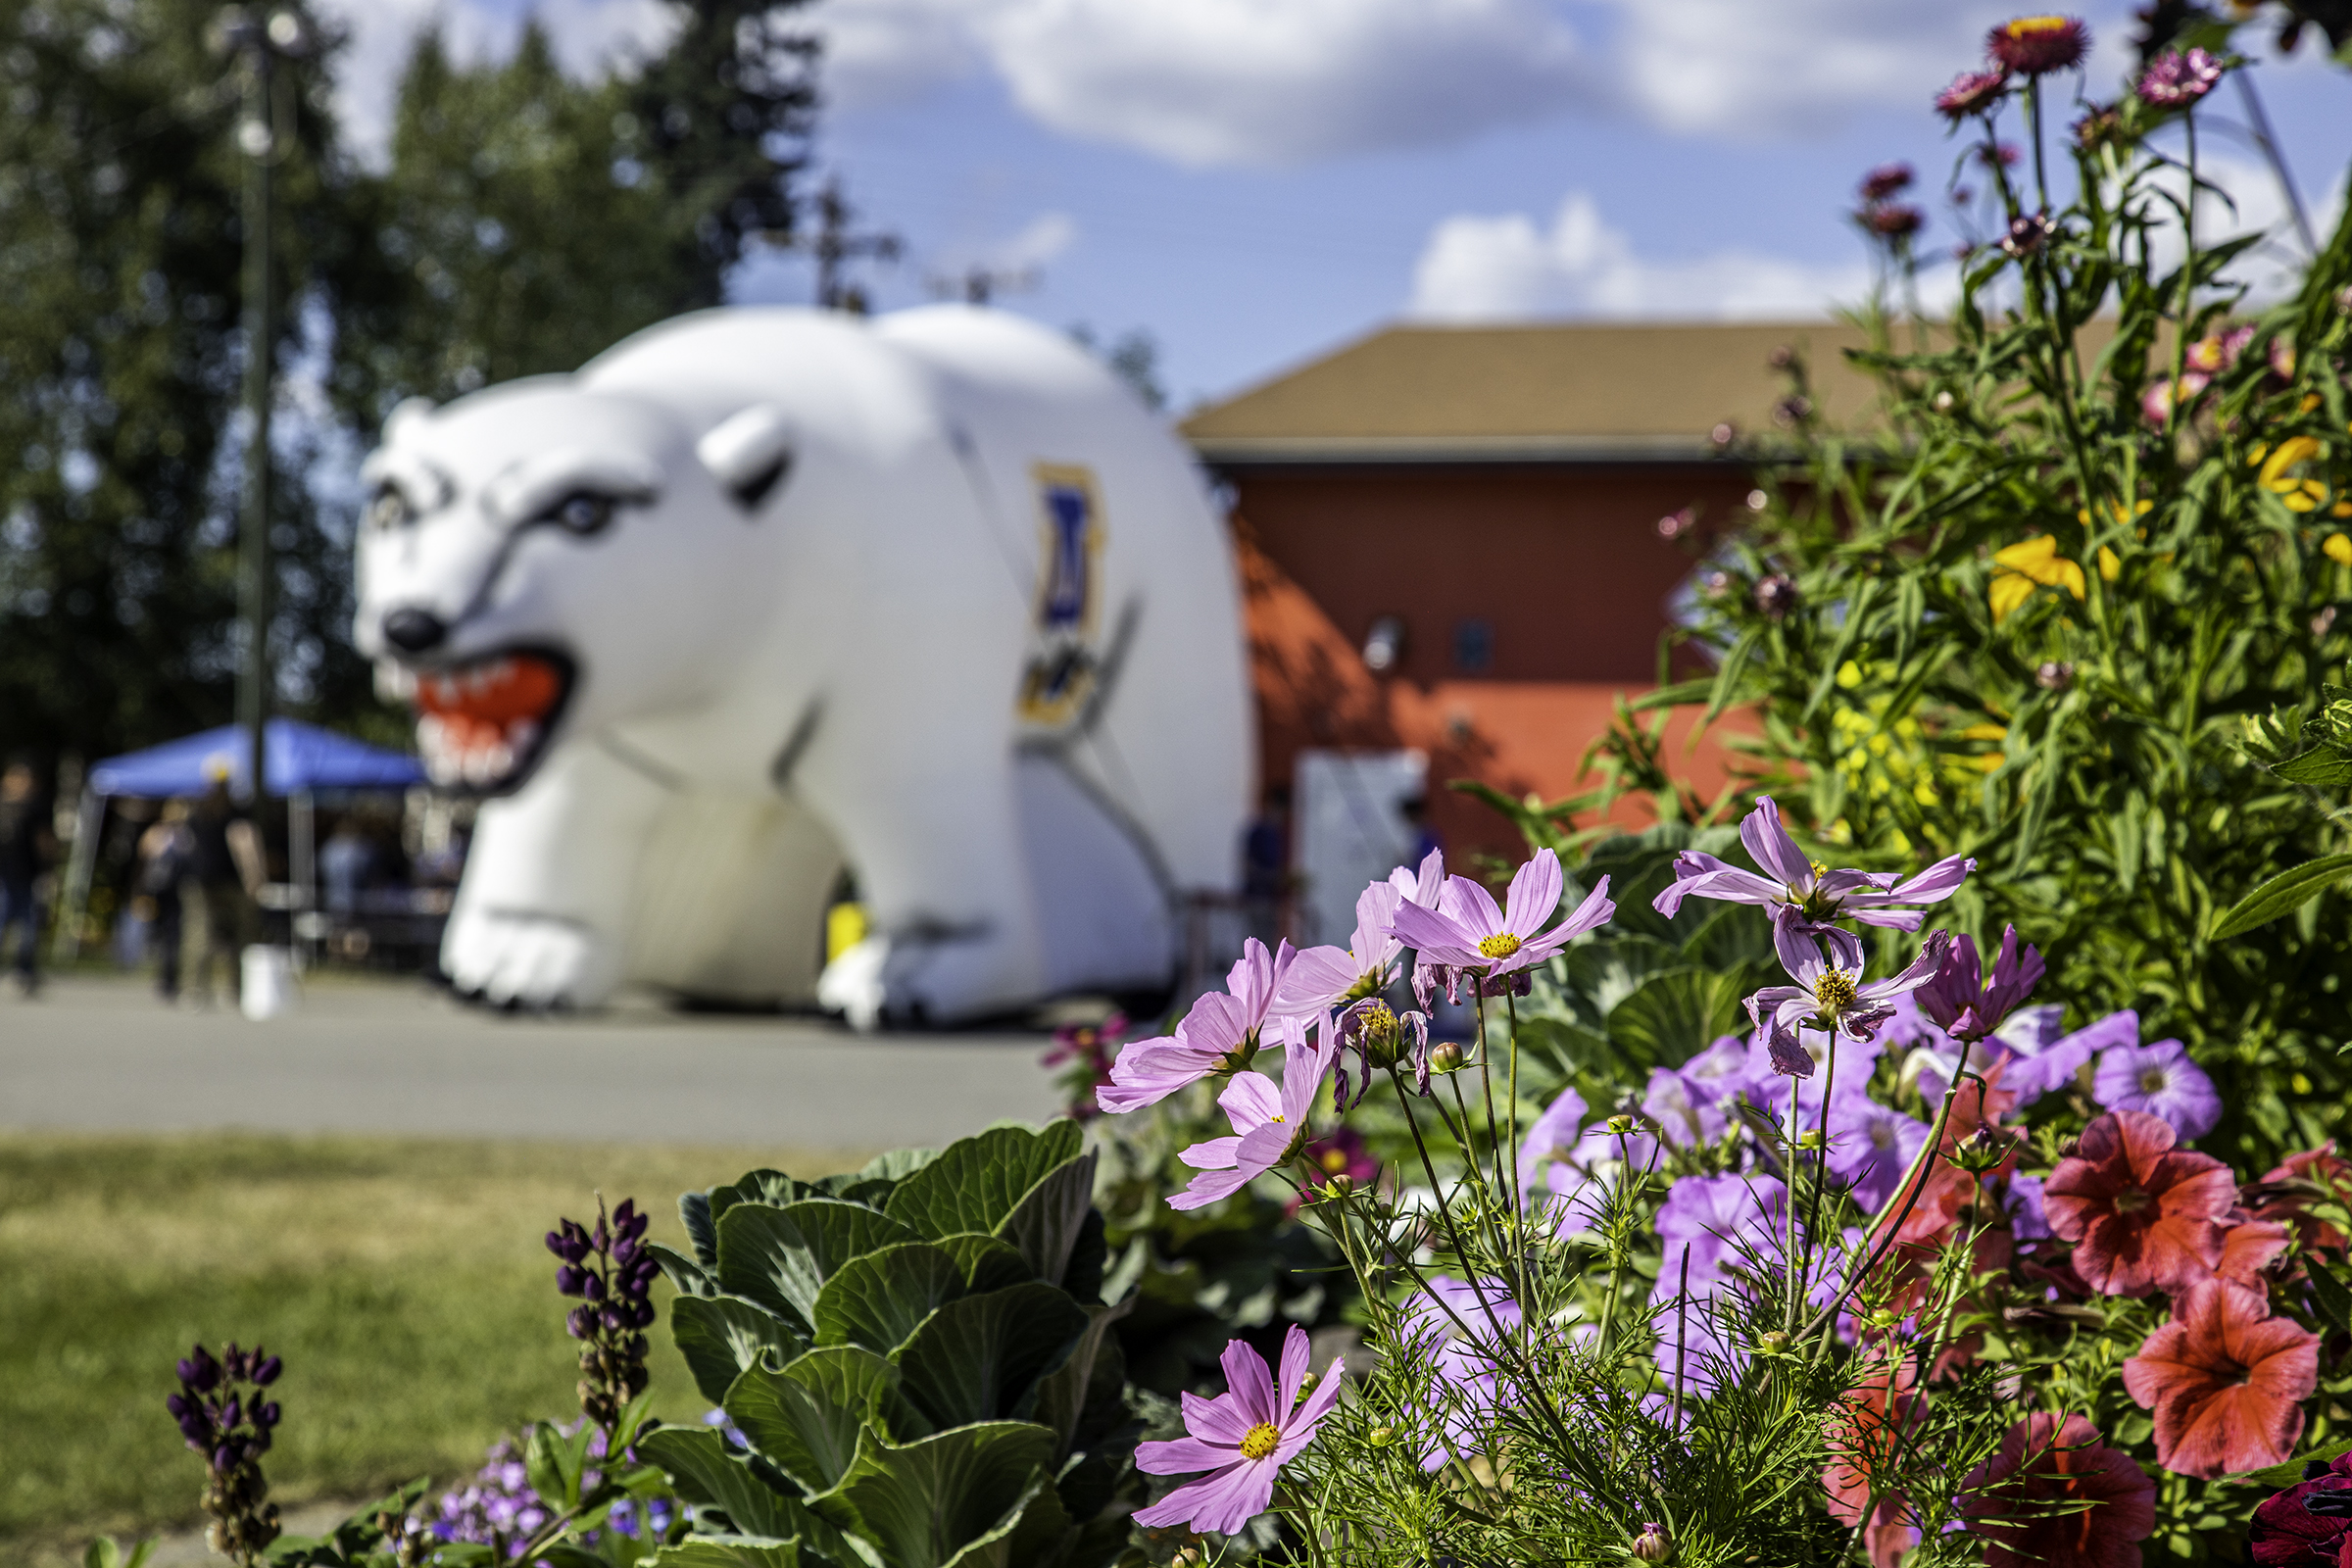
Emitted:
<point x="476" y="724"/>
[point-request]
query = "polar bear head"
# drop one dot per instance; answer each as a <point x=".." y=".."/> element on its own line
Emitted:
<point x="542" y="557"/>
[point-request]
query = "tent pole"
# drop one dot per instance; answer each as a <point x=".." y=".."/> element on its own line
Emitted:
<point x="302" y="859"/>
<point x="87" y="819"/>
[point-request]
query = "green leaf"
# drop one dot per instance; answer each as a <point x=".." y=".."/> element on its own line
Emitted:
<point x="2329" y="1295"/>
<point x="770" y="1187"/>
<point x="895" y="1164"/>
<point x="2322" y="767"/>
<point x="698" y="1464"/>
<point x="1073" y="1390"/>
<point x="1046" y="1226"/>
<point x="2283" y="893"/>
<point x="702" y="1227"/>
<point x="1671" y="1016"/>
<point x="542" y="1463"/>
<point x="807" y="1417"/>
<point x="977" y="1182"/>
<point x="103" y="1552"/>
<point x="781" y="1257"/>
<point x="563" y="1554"/>
<point x="729" y="1552"/>
<point x="879" y="1298"/>
<point x="686" y="1276"/>
<point x="979" y="1358"/>
<point x="925" y="1504"/>
<point x="2280" y="1476"/>
<point x="988" y="1263"/>
<point x="720" y="1336"/>
<point x="1676" y="696"/>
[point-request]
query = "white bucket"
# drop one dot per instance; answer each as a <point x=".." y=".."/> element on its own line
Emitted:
<point x="268" y="991"/>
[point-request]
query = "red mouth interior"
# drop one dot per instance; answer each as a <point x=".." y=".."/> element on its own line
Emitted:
<point x="477" y="724"/>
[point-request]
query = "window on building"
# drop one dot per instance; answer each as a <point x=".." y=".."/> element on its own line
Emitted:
<point x="1473" y="645"/>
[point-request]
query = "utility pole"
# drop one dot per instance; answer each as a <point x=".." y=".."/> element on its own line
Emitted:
<point x="258" y="43"/>
<point x="836" y="244"/>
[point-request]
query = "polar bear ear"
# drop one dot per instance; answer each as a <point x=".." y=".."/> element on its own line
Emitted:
<point x="749" y="452"/>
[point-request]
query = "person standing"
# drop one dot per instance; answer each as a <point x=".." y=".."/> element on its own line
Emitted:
<point x="167" y="852"/>
<point x="26" y="849"/>
<point x="227" y="870"/>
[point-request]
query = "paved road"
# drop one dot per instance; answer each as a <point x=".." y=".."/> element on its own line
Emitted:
<point x="363" y="1056"/>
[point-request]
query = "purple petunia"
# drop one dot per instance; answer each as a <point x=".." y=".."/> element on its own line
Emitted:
<point x="2162" y="1080"/>
<point x="2022" y="1201"/>
<point x="1469" y="932"/>
<point x="1243" y="1438"/>
<point x="1816" y="897"/>
<point x="1219" y="1035"/>
<point x="1270" y="1123"/>
<point x="1871" y="1145"/>
<point x="1686" y="1110"/>
<point x="1721" y="1218"/>
<point x="1466" y="1385"/>
<point x="1830" y="992"/>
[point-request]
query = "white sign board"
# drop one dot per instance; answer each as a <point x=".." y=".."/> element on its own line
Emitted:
<point x="1351" y="829"/>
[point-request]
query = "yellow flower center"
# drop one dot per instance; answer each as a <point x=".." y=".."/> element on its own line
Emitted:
<point x="1259" y="1441"/>
<point x="1334" y="1161"/>
<point x="1501" y="945"/>
<point x="2035" y="26"/>
<point x="1834" y="990"/>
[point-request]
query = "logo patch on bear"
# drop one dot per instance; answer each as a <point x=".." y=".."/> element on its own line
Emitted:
<point x="1060" y="672"/>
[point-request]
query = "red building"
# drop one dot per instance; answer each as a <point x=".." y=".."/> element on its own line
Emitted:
<point x="1449" y="536"/>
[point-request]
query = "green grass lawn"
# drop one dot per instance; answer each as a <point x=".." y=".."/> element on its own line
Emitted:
<point x="403" y="1280"/>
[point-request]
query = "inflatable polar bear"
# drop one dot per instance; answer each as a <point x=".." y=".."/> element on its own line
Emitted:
<point x="761" y="594"/>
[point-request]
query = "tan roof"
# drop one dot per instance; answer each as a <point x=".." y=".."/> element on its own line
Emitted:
<point x="1579" y="391"/>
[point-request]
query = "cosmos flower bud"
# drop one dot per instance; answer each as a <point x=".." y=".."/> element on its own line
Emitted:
<point x="1809" y="1140"/>
<point x="1619" y="1125"/>
<point x="1652" y="1544"/>
<point x="1981" y="1150"/>
<point x="1772" y="1341"/>
<point x="1381" y="1437"/>
<point x="1446" y="1056"/>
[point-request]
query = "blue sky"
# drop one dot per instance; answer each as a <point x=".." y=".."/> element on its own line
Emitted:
<point x="1255" y="181"/>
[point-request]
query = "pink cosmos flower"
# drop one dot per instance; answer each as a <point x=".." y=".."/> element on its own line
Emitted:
<point x="1243" y="1438"/>
<point x="1469" y="932"/>
<point x="1321" y="978"/>
<point x="1218" y="1036"/>
<point x="1791" y="881"/>
<point x="1269" y="1122"/>
<point x="1830" y="991"/>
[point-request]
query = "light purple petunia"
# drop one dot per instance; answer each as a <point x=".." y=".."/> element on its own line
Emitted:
<point x="2038" y="1060"/>
<point x="1830" y="991"/>
<point x="1220" y="1034"/>
<point x="1686" y="1111"/>
<point x="1769" y="1086"/>
<point x="1466" y="1384"/>
<point x="1721" y="1218"/>
<point x="1269" y="1122"/>
<point x="1871" y="1145"/>
<point x="2162" y="1080"/>
<point x="1469" y="932"/>
<point x="1964" y="1001"/>
<point x="2022" y="1201"/>
<point x="1790" y="881"/>
<point x="1243" y="1438"/>
<point x="1565" y="1153"/>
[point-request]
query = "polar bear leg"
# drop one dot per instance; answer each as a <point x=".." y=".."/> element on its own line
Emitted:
<point x="542" y="916"/>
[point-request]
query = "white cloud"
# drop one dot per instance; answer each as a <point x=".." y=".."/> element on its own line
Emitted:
<point x="2257" y="204"/>
<point x="1507" y="268"/>
<point x="589" y="36"/>
<point x="1205" y="82"/>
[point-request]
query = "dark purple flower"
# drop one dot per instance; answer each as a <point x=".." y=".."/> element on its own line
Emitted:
<point x="1884" y="181"/>
<point x="2176" y="79"/>
<point x="2034" y="46"/>
<point x="2160" y="1080"/>
<point x="1973" y="92"/>
<point x="2029" y="235"/>
<point x="1893" y="220"/>
<point x="1774" y="594"/>
<point x="1968" y="1006"/>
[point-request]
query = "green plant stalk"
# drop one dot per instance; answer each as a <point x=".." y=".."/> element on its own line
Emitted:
<point x="2188" y="279"/>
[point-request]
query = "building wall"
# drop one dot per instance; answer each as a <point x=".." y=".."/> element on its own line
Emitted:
<point x="1562" y="567"/>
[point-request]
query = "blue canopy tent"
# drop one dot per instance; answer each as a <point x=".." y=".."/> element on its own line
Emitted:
<point x="297" y="760"/>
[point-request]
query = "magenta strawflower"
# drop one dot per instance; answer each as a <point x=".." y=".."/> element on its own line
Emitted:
<point x="1470" y="933"/>
<point x="1830" y="992"/>
<point x="1243" y="1438"/>
<point x="2176" y="78"/>
<point x="1219" y="1035"/>
<point x="1269" y="1122"/>
<point x="2035" y="46"/>
<point x="1973" y="92"/>
<point x="1892" y="220"/>
<point x="1884" y="181"/>
<point x="1817" y="896"/>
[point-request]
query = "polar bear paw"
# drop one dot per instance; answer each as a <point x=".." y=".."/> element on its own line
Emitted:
<point x="516" y="958"/>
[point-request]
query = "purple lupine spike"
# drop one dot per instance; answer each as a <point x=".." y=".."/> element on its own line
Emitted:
<point x="555" y="1243"/>
<point x="266" y="1417"/>
<point x="590" y="1286"/>
<point x="266" y="1373"/>
<point x="568" y="1280"/>
<point x="204" y="1373"/>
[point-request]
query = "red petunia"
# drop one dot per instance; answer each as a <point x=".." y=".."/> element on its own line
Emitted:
<point x="2143" y="1216"/>
<point x="2034" y="46"/>
<point x="2056" y="1497"/>
<point x="2321" y="1168"/>
<point x="2248" y="1248"/>
<point x="2227" y="1382"/>
<point x="2287" y="1534"/>
<point x="1870" y="1423"/>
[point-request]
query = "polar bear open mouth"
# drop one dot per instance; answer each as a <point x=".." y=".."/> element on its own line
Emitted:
<point x="482" y="724"/>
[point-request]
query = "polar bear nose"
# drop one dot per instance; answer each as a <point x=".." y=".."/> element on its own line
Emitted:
<point x="415" y="631"/>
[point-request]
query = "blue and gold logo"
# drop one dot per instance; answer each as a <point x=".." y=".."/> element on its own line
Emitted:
<point x="1060" y="672"/>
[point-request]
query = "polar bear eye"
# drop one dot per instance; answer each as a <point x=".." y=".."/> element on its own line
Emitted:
<point x="389" y="510"/>
<point x="583" y="513"/>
